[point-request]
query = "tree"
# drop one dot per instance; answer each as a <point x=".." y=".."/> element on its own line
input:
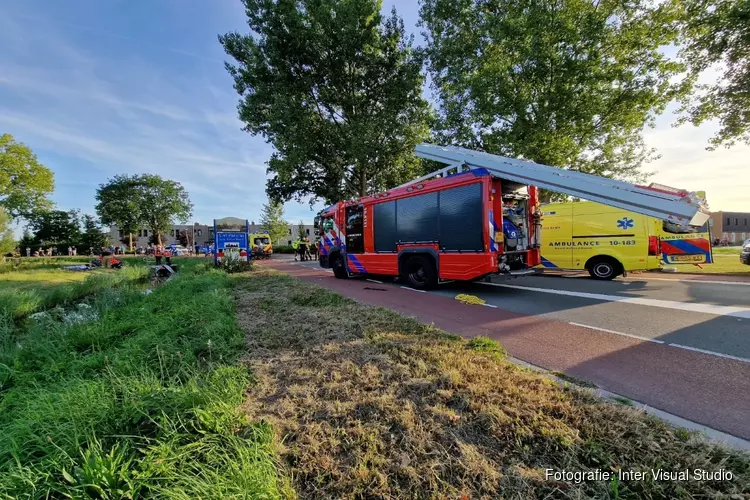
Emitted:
<point x="131" y="201"/>
<point x="27" y="241"/>
<point x="53" y="227"/>
<point x="117" y="204"/>
<point x="92" y="236"/>
<point x="569" y="83"/>
<point x="163" y="203"/>
<point x="24" y="182"/>
<point x="7" y="240"/>
<point x="336" y="89"/>
<point x="272" y="220"/>
<point x="717" y="33"/>
<point x="184" y="237"/>
<point x="301" y="229"/>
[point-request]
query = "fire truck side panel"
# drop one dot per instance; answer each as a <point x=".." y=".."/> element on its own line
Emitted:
<point x="462" y="266"/>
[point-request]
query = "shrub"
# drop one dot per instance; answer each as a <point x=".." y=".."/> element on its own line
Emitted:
<point x="232" y="263"/>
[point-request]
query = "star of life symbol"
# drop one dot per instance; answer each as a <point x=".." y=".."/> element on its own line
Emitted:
<point x="625" y="223"/>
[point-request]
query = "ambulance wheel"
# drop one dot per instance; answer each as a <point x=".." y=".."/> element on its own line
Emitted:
<point x="420" y="273"/>
<point x="604" y="268"/>
<point x="339" y="267"/>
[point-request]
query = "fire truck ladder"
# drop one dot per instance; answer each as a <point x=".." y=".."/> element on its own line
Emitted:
<point x="676" y="206"/>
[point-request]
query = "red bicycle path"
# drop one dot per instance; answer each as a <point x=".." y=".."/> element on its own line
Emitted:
<point x="705" y="389"/>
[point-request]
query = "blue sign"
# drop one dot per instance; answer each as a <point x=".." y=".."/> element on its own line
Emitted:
<point x="230" y="236"/>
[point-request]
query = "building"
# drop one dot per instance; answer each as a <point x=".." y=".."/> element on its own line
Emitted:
<point x="197" y="234"/>
<point x="730" y="226"/>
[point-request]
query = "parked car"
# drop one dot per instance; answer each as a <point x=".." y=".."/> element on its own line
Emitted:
<point x="179" y="250"/>
<point x="745" y="255"/>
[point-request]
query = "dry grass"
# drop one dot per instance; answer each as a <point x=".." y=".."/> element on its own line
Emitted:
<point x="370" y="404"/>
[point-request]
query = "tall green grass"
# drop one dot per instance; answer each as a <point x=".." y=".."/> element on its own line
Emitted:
<point x="142" y="402"/>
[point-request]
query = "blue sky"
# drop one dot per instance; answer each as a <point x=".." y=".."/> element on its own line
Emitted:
<point x="101" y="87"/>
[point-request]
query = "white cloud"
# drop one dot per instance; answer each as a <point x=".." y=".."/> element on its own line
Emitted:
<point x="89" y="118"/>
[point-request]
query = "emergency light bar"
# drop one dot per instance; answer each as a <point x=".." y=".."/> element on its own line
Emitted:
<point x="673" y="205"/>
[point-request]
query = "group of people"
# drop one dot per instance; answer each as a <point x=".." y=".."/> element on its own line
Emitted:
<point x="41" y="252"/>
<point x="162" y="252"/>
<point x="304" y="249"/>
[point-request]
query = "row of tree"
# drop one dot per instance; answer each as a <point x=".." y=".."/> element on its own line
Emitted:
<point x="129" y="201"/>
<point x="337" y="88"/>
<point x="60" y="230"/>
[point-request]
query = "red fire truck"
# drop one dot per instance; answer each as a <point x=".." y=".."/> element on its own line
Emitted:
<point x="475" y="218"/>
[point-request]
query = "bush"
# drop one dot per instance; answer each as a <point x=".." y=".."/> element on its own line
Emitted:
<point x="283" y="249"/>
<point x="234" y="264"/>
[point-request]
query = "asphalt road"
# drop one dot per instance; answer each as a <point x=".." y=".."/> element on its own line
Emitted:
<point x="679" y="344"/>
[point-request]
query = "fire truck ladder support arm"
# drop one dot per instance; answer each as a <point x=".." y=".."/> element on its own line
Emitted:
<point x="678" y="207"/>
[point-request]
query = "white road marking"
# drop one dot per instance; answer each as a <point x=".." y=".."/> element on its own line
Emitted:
<point x="412" y="289"/>
<point x="490" y="305"/>
<point x="712" y="353"/>
<point x="714" y="282"/>
<point x="737" y="312"/>
<point x="680" y="346"/>
<point x="375" y="281"/>
<point x="616" y="333"/>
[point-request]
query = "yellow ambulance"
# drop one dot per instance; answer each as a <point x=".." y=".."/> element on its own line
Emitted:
<point x="608" y="242"/>
<point x="261" y="245"/>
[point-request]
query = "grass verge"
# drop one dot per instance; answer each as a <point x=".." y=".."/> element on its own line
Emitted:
<point x="141" y="401"/>
<point x="723" y="264"/>
<point x="366" y="403"/>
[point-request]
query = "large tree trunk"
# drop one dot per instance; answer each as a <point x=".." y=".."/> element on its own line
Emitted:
<point x="158" y="238"/>
<point x="363" y="183"/>
<point x="130" y="245"/>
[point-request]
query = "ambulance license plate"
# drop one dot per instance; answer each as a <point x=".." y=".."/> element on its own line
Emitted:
<point x="687" y="258"/>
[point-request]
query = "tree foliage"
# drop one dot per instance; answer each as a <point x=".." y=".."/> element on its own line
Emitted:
<point x="336" y="89"/>
<point x="569" y="83"/>
<point x="301" y="229"/>
<point x="717" y="33"/>
<point x="272" y="220"/>
<point x="24" y="182"/>
<point x="117" y="204"/>
<point x="52" y="227"/>
<point x="92" y="235"/>
<point x="7" y="240"/>
<point x="132" y="201"/>
<point x="163" y="203"/>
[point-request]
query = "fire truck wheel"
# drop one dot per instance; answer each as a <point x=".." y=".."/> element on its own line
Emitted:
<point x="420" y="272"/>
<point x="339" y="267"/>
<point x="604" y="268"/>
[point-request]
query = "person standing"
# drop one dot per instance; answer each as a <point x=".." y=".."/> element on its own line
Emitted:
<point x="70" y="251"/>
<point x="168" y="256"/>
<point x="158" y="254"/>
<point x="28" y="251"/>
<point x="295" y="248"/>
<point x="75" y="251"/>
